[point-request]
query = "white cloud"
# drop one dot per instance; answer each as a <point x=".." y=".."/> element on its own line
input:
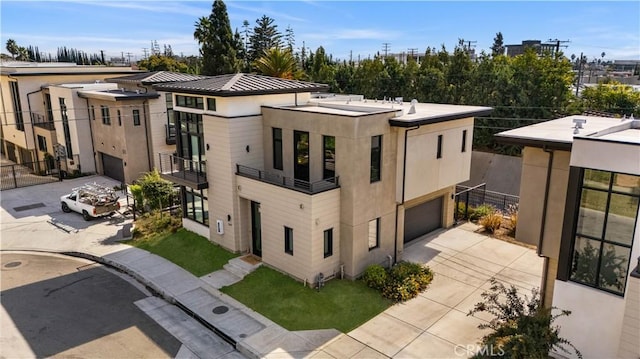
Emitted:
<point x="157" y="6"/>
<point x="352" y="34"/>
<point x="262" y="11"/>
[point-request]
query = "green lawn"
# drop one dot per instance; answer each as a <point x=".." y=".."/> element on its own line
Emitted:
<point x="341" y="304"/>
<point x="186" y="249"/>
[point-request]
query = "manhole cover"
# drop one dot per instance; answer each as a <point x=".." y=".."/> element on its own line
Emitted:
<point x="242" y="335"/>
<point x="12" y="264"/>
<point x="221" y="309"/>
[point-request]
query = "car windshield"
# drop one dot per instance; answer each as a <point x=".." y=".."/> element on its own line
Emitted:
<point x="72" y="196"/>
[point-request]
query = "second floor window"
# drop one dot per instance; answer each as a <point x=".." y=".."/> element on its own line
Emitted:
<point x="376" y="157"/>
<point x="17" y="106"/>
<point x="329" y="156"/>
<point x="106" y="120"/>
<point x="277" y="148"/>
<point x="190" y="101"/>
<point x="136" y="117"/>
<point x="439" y="149"/>
<point x="42" y="143"/>
<point x="464" y="140"/>
<point x="119" y="119"/>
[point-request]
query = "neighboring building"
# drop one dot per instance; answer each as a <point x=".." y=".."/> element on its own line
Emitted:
<point x="579" y="197"/>
<point x="539" y="46"/>
<point x="314" y="185"/>
<point x="34" y="120"/>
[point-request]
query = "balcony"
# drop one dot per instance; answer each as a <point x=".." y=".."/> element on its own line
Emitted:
<point x="170" y="134"/>
<point x="42" y="122"/>
<point x="183" y="171"/>
<point x="288" y="182"/>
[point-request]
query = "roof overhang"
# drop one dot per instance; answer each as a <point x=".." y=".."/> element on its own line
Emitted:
<point x="439" y="118"/>
<point x="528" y="142"/>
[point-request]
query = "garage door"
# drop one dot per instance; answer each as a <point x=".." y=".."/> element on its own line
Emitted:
<point x="112" y="167"/>
<point x="422" y="219"/>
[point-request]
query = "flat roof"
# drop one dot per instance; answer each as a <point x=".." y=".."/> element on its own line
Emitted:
<point x="117" y="95"/>
<point x="85" y="86"/>
<point x="423" y="113"/>
<point x="60" y="68"/>
<point x="560" y="133"/>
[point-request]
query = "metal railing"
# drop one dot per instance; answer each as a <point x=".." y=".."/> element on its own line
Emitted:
<point x="467" y="197"/>
<point x="42" y="122"/>
<point x="189" y="171"/>
<point x="33" y="173"/>
<point x="288" y="182"/>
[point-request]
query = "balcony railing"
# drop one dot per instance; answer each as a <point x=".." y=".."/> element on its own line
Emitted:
<point x="288" y="182"/>
<point x="170" y="134"/>
<point x="42" y="122"/>
<point x="183" y="171"/>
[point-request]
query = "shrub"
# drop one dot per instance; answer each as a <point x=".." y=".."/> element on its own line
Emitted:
<point x="156" y="222"/>
<point x="375" y="276"/>
<point x="481" y="211"/>
<point x="403" y="281"/>
<point x="512" y="214"/>
<point x="463" y="212"/>
<point x="492" y="221"/>
<point x="136" y="191"/>
<point x="522" y="326"/>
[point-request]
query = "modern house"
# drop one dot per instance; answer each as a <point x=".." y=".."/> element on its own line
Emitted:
<point x="35" y="118"/>
<point x="310" y="184"/>
<point x="579" y="194"/>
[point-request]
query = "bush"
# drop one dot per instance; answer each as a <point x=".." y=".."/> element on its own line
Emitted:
<point x="492" y="221"/>
<point x="375" y="276"/>
<point x="512" y="214"/>
<point x="461" y="209"/>
<point x="481" y="211"/>
<point x="403" y="281"/>
<point x="156" y="222"/>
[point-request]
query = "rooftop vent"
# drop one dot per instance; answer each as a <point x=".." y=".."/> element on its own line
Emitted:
<point x="578" y="125"/>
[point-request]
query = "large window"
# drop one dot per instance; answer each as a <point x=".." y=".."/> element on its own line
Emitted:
<point x="376" y="156"/>
<point x="329" y="156"/>
<point x="17" y="106"/>
<point x="65" y="127"/>
<point x="277" y="148"/>
<point x="190" y="139"/>
<point x="190" y="101"/>
<point x="607" y="212"/>
<point x="288" y="240"/>
<point x="196" y="206"/>
<point x="106" y="119"/>
<point x="328" y="242"/>
<point x="374" y="233"/>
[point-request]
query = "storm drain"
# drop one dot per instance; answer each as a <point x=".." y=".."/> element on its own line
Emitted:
<point x="221" y="309"/>
<point x="28" y="207"/>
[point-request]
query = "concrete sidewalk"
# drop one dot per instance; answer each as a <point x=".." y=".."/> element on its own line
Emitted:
<point x="433" y="325"/>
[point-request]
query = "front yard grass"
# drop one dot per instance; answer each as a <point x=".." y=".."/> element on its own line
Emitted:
<point x="341" y="304"/>
<point x="186" y="249"/>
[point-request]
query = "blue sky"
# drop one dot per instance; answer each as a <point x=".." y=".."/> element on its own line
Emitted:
<point x="340" y="26"/>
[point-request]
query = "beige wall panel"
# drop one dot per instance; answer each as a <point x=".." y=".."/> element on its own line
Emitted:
<point x="158" y="121"/>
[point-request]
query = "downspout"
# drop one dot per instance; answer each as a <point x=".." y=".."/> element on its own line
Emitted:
<point x="93" y="147"/>
<point x="295" y="98"/>
<point x="33" y="131"/>
<point x="146" y="133"/>
<point x="404" y="173"/>
<point x="543" y="222"/>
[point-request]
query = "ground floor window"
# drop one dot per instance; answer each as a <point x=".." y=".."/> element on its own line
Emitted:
<point x="606" y="218"/>
<point x="328" y="242"/>
<point x="195" y="205"/>
<point x="288" y="240"/>
<point x="374" y="233"/>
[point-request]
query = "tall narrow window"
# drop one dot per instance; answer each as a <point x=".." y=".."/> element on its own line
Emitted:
<point x="288" y="240"/>
<point x="106" y="119"/>
<point x="374" y="233"/>
<point x="211" y="104"/>
<point x="42" y="143"/>
<point x="328" y="242"/>
<point x="439" y="152"/>
<point x="119" y="119"/>
<point x="277" y="148"/>
<point x="47" y="104"/>
<point x="136" y="117"/>
<point x="329" y="156"/>
<point x="464" y="140"/>
<point x="17" y="106"/>
<point x="65" y="127"/>
<point x="376" y="153"/>
<point x="92" y="113"/>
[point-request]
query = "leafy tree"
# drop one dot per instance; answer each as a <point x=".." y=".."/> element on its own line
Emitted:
<point x="162" y="63"/>
<point x="289" y="38"/>
<point x="217" y="45"/>
<point x="157" y="192"/>
<point x="276" y="62"/>
<point x="12" y="47"/>
<point x="498" y="45"/>
<point x="264" y="37"/>
<point x="522" y="327"/>
<point x="613" y="97"/>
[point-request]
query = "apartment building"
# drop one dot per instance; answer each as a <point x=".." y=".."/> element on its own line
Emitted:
<point x="34" y="119"/>
<point x="310" y="184"/>
<point x="579" y="193"/>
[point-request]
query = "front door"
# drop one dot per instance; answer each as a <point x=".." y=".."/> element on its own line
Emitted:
<point x="256" y="234"/>
<point x="301" y="156"/>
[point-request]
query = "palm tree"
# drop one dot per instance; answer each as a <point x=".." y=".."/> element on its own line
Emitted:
<point x="276" y="62"/>
<point x="12" y="47"/>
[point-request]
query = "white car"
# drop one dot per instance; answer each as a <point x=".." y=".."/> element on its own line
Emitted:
<point x="91" y="200"/>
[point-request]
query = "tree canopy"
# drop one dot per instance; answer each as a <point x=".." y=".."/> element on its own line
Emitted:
<point x="265" y="36"/>
<point x="217" y="44"/>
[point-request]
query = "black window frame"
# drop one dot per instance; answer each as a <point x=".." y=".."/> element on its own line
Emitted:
<point x="92" y="112"/>
<point x="278" y="162"/>
<point x="106" y="116"/>
<point x="328" y="242"/>
<point x="190" y="211"/>
<point x="439" y="149"/>
<point x="375" y="173"/>
<point x="42" y="143"/>
<point x="464" y="141"/>
<point x="65" y="127"/>
<point x="119" y="117"/>
<point x="601" y="240"/>
<point x="196" y="102"/>
<point x="377" y="243"/>
<point x="17" y="105"/>
<point x="136" y="117"/>
<point x="210" y="101"/>
<point x="288" y="240"/>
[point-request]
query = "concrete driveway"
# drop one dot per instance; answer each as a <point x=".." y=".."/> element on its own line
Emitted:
<point x="435" y="324"/>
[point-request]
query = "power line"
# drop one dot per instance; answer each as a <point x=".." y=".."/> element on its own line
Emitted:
<point x="385" y="47"/>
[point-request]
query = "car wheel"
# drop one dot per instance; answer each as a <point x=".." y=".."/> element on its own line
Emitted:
<point x="86" y="216"/>
<point x="65" y="208"/>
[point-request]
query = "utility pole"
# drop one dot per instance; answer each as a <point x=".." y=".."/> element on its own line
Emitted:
<point x="580" y="62"/>
<point x="129" y="57"/>
<point x="145" y="52"/>
<point x="385" y="48"/>
<point x="557" y="44"/>
<point x="413" y="51"/>
<point x="469" y="44"/>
